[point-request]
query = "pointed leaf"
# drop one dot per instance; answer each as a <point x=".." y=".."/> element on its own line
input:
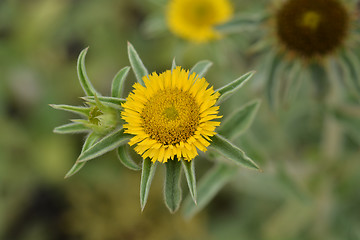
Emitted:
<point x="82" y="75"/>
<point x="271" y="71"/>
<point x="232" y="152"/>
<point x="108" y="143"/>
<point x="172" y="189"/>
<point x="147" y="174"/>
<point x="173" y="65"/>
<point x="201" y="67"/>
<point x="229" y="89"/>
<point x="136" y="64"/>
<point x="117" y="86"/>
<point x="83" y="111"/>
<point x="71" y="128"/>
<point x="239" y="121"/>
<point x="189" y="169"/>
<point x="112" y="102"/>
<point x="90" y="140"/>
<point x="208" y="187"/>
<point x="242" y="23"/>
<point x="352" y="63"/>
<point x="125" y="159"/>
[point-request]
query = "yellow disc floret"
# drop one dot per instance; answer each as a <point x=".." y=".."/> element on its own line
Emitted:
<point x="171" y="116"/>
<point x="195" y="20"/>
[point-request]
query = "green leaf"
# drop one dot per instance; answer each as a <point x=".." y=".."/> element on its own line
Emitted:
<point x="189" y="169"/>
<point x="352" y="64"/>
<point x="82" y="75"/>
<point x="200" y="68"/>
<point x="83" y="111"/>
<point x="112" y="102"/>
<point x="136" y="64"/>
<point x="90" y="140"/>
<point x="239" y="121"/>
<point x="147" y="174"/>
<point x="117" y="86"/>
<point x="172" y="189"/>
<point x="109" y="142"/>
<point x="71" y="128"/>
<point x="173" y="65"/>
<point x="232" y="152"/>
<point x="229" y="89"/>
<point x="271" y="71"/>
<point x="242" y="23"/>
<point x="320" y="79"/>
<point x="208" y="187"/>
<point x="125" y="159"/>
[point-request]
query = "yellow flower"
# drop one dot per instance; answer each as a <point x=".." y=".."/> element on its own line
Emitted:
<point x="194" y="20"/>
<point x="171" y="116"/>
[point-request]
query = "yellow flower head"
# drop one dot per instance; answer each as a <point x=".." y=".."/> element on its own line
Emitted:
<point x="194" y="20"/>
<point x="171" y="115"/>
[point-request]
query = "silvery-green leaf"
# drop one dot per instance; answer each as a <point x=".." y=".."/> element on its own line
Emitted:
<point x="83" y="111"/>
<point x="136" y="64"/>
<point x="200" y="68"/>
<point x="229" y="89"/>
<point x="271" y="81"/>
<point x="320" y="79"/>
<point x="112" y="102"/>
<point x="172" y="189"/>
<point x="352" y="64"/>
<point x="242" y="23"/>
<point x="189" y="169"/>
<point x="173" y="65"/>
<point x="239" y="121"/>
<point x="117" y="86"/>
<point x="125" y="158"/>
<point x="90" y="140"/>
<point x="232" y="152"/>
<point x="82" y="75"/>
<point x="147" y="174"/>
<point x="208" y="187"/>
<point x="108" y="143"/>
<point x="71" y="128"/>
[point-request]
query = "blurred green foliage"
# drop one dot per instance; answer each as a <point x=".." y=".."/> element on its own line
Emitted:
<point x="304" y="192"/>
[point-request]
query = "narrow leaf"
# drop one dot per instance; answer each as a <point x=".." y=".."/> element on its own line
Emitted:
<point x="271" y="70"/>
<point x="112" y="102"/>
<point x="90" y="140"/>
<point x="173" y="65"/>
<point x="189" y="169"/>
<point x="83" y="111"/>
<point x="136" y="64"/>
<point x="117" y="86"/>
<point x="82" y="75"/>
<point x="242" y="23"/>
<point x="108" y="143"/>
<point x="201" y="67"/>
<point x="229" y="89"/>
<point x="172" y="189"/>
<point x="239" y="121"/>
<point x="352" y="64"/>
<point x="147" y="174"/>
<point x="71" y="128"/>
<point x="125" y="159"/>
<point x="232" y="152"/>
<point x="208" y="187"/>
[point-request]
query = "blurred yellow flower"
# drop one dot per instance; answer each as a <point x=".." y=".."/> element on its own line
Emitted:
<point x="194" y="20"/>
<point x="171" y="115"/>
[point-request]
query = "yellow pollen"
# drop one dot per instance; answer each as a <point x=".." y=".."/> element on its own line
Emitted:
<point x="171" y="116"/>
<point x="311" y="20"/>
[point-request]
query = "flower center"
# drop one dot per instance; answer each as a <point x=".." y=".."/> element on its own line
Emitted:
<point x="201" y="14"/>
<point x="312" y="27"/>
<point x="171" y="116"/>
<point x="311" y="20"/>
